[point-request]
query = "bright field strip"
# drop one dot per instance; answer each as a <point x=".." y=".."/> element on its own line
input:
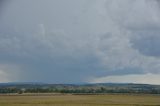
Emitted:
<point x="80" y="100"/>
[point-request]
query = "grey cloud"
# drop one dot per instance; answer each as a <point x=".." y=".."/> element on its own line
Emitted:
<point x="142" y="19"/>
<point x="147" y="42"/>
<point x="58" y="41"/>
<point x="135" y="14"/>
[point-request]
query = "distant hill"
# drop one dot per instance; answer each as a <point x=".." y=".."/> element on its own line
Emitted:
<point x="36" y="87"/>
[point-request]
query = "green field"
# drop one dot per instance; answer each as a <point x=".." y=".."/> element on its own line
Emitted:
<point x="80" y="100"/>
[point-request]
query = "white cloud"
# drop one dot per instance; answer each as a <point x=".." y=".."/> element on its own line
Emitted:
<point x="9" y="72"/>
<point x="141" y="79"/>
<point x="3" y="76"/>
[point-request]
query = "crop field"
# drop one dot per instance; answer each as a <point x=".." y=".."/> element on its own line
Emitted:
<point x="80" y="100"/>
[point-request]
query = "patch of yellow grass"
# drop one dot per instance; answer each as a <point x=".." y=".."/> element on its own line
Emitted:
<point x="80" y="100"/>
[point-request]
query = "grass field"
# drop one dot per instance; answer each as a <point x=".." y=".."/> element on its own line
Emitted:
<point x="80" y="100"/>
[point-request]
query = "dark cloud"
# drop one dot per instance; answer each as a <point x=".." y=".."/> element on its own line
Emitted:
<point x="147" y="42"/>
<point x="71" y="41"/>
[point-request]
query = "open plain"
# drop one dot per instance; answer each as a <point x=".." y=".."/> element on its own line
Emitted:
<point x="80" y="100"/>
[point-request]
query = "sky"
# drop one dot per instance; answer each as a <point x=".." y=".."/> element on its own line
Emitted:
<point x="80" y="41"/>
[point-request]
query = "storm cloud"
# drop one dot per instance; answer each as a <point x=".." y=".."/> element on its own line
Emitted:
<point x="75" y="41"/>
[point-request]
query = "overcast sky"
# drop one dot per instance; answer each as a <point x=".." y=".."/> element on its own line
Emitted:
<point x="78" y="41"/>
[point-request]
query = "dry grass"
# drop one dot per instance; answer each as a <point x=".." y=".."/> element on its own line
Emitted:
<point x="80" y="100"/>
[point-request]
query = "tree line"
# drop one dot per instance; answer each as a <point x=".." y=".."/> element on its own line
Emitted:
<point x="79" y="90"/>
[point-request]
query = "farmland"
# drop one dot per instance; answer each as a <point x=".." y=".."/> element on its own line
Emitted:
<point x="79" y="100"/>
